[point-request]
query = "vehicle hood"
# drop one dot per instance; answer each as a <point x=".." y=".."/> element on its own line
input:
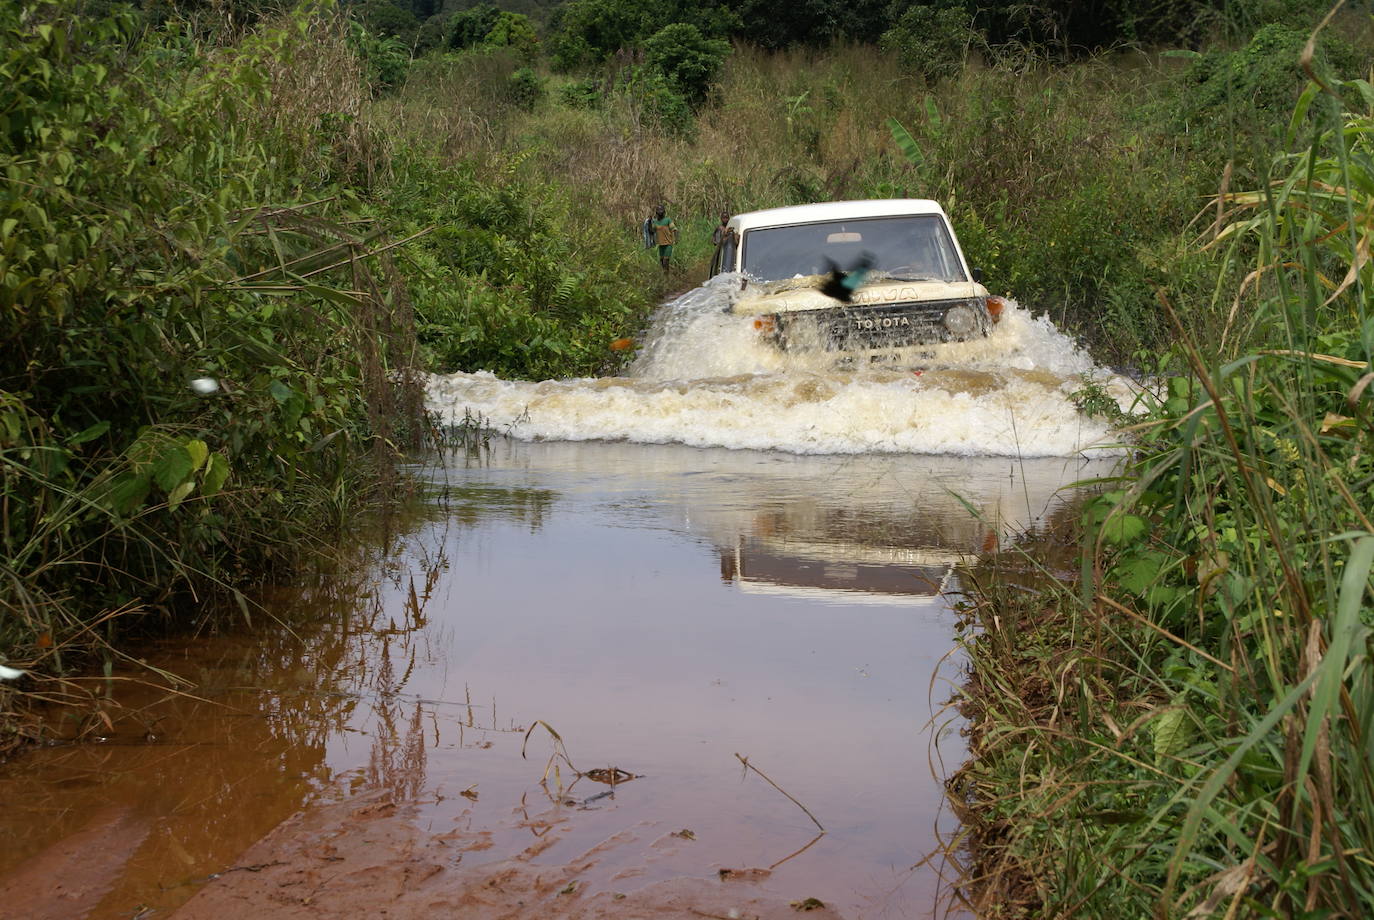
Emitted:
<point x="794" y="294"/>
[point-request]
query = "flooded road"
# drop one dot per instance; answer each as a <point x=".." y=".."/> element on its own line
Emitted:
<point x="704" y="378"/>
<point x="537" y="701"/>
<point x="663" y="608"/>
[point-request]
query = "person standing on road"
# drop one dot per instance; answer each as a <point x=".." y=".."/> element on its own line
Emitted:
<point x="665" y="235"/>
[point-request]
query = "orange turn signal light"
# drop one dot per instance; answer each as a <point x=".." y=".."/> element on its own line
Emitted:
<point x="995" y="307"/>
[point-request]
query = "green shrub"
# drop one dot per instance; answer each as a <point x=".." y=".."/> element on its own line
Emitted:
<point x="524" y="88"/>
<point x="661" y="105"/>
<point x="508" y="282"/>
<point x="582" y="94"/>
<point x="688" y="60"/>
<point x="516" y="32"/>
<point x="1230" y="99"/>
<point x="383" y="18"/>
<point x="472" y="26"/>
<point x="932" y="40"/>
<point x="386" y="57"/>
<point x="583" y="33"/>
<point x="170" y="215"/>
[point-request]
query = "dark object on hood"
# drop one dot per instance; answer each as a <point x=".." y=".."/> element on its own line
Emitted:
<point x="842" y="285"/>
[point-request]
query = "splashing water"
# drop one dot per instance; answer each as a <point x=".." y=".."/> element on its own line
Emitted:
<point x="704" y="378"/>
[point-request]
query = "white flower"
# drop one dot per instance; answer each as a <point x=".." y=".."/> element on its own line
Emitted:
<point x="10" y="673"/>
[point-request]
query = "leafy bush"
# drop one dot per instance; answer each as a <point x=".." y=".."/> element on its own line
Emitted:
<point x="472" y="26"/>
<point x="386" y="57"/>
<point x="1264" y="75"/>
<point x="581" y="94"/>
<point x="514" y="31"/>
<point x="485" y="26"/>
<point x="586" y="32"/>
<point x="932" y="40"/>
<point x="524" y="88"/>
<point x="688" y="60"/>
<point x="383" y="18"/>
<point x="170" y="217"/>
<point x="505" y="282"/>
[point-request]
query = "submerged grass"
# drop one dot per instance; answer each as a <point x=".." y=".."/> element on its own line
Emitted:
<point x="1185" y="729"/>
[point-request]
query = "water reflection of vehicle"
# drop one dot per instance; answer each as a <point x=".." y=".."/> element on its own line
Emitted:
<point x="809" y="550"/>
<point x="898" y="538"/>
<point x="917" y="289"/>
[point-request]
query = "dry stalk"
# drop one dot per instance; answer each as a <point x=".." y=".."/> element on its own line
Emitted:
<point x="749" y="766"/>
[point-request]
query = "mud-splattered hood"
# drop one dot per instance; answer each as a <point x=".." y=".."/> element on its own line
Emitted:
<point x="794" y="294"/>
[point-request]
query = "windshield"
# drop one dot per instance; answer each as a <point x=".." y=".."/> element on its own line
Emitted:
<point x="915" y="247"/>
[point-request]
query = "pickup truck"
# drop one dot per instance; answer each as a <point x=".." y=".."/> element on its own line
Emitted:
<point x="913" y="288"/>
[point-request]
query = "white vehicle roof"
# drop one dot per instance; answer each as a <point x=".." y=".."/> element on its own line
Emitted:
<point x="834" y="210"/>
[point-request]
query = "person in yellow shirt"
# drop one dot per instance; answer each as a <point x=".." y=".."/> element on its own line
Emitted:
<point x="665" y="235"/>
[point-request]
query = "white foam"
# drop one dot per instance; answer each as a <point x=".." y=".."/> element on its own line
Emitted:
<point x="704" y="379"/>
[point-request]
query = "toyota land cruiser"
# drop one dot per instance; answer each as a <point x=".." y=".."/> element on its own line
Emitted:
<point x="916" y="289"/>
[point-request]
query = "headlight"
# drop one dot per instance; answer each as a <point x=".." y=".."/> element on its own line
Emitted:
<point x="961" y="320"/>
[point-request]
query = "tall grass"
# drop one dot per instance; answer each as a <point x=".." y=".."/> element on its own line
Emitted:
<point x="1186" y="731"/>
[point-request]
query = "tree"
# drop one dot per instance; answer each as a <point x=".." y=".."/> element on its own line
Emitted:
<point x="471" y="27"/>
<point x="514" y="31"/>
<point x="932" y="39"/>
<point x="586" y="32"/>
<point x="686" y="58"/>
<point x="383" y="18"/>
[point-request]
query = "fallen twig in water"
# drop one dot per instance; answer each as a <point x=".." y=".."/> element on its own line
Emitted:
<point x="749" y="766"/>
<point x="795" y="853"/>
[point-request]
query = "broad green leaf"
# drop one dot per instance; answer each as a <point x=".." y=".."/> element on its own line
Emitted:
<point x="1331" y="671"/>
<point x="129" y="491"/>
<point x="334" y="295"/>
<point x="90" y="434"/>
<point x="172" y="469"/>
<point x="179" y="493"/>
<point x="906" y="143"/>
<point x="280" y="392"/>
<point x="198" y="452"/>
<point x="216" y="472"/>
<point x="1173" y="731"/>
<point x="1121" y="529"/>
<point x="1137" y="573"/>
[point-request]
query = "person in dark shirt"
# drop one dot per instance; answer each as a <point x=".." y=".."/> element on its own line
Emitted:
<point x="721" y="230"/>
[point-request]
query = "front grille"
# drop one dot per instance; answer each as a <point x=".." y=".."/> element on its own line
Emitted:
<point x="856" y="328"/>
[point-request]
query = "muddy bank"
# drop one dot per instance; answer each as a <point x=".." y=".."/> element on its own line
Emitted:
<point x="369" y="857"/>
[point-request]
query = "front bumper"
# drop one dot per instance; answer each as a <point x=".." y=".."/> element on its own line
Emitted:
<point x="855" y="328"/>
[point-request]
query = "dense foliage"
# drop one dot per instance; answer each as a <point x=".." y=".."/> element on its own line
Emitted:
<point x="200" y="361"/>
<point x="206" y="303"/>
<point x="1215" y="757"/>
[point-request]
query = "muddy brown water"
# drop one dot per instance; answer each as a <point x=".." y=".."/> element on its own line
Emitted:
<point x="663" y="608"/>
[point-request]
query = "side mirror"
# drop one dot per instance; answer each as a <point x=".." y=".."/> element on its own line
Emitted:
<point x="978" y="275"/>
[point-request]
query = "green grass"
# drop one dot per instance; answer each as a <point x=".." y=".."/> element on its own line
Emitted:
<point x="174" y="210"/>
<point x="1186" y="729"/>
